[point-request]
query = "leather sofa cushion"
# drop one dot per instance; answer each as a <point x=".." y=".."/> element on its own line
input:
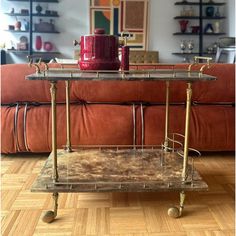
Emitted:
<point x="211" y="127"/>
<point x="113" y="125"/>
<point x="90" y="124"/>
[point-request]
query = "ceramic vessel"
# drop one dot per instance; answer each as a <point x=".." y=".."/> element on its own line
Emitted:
<point x="210" y="11"/>
<point x="99" y="51"/>
<point x="216" y="27"/>
<point x="38" y="43"/>
<point x="183" y="25"/>
<point x="209" y="29"/>
<point x="26" y="25"/>
<point x="195" y="29"/>
<point x="182" y="45"/>
<point x="190" y="46"/>
<point x="217" y="14"/>
<point x="38" y="9"/>
<point x="47" y="46"/>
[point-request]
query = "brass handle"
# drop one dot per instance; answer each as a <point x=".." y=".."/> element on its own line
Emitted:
<point x="208" y="59"/>
<point x="125" y="36"/>
<point x="36" y="67"/>
<point x="196" y="61"/>
<point x="46" y="67"/>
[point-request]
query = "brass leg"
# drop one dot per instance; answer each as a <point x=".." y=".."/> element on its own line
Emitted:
<point x="187" y="118"/>
<point x="182" y="199"/>
<point x="53" y="91"/>
<point x="176" y="212"/>
<point x="167" y="117"/>
<point x="51" y="215"/>
<point x="68" y="128"/>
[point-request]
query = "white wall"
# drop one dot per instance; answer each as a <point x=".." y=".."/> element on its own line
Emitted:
<point x="74" y="22"/>
<point x="161" y="29"/>
<point x="230" y="11"/>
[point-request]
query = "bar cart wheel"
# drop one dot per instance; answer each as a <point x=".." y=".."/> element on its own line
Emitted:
<point x="174" y="212"/>
<point x="49" y="217"/>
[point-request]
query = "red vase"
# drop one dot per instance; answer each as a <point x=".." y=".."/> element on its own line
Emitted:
<point x="183" y="25"/>
<point x="38" y="43"/>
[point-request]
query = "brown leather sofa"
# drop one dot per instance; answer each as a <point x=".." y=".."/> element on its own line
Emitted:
<point x="112" y="112"/>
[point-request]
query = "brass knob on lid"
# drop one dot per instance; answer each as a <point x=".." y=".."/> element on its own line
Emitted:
<point x="99" y="31"/>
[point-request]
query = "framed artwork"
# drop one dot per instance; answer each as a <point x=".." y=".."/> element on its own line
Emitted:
<point x="117" y="16"/>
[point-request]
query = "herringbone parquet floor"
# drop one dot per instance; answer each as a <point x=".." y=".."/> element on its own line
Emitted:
<point x="117" y="214"/>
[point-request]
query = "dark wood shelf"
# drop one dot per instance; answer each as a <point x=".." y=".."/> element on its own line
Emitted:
<point x="187" y="17"/>
<point x="179" y="33"/>
<point x="45" y="15"/>
<point x="17" y="51"/>
<point x="35" y="52"/>
<point x="185" y="53"/>
<point x="16" y="14"/>
<point x="34" y="14"/>
<point x="183" y="3"/>
<point x="47" y="32"/>
<point x="24" y="31"/>
<point x="47" y="1"/>
<point x="213" y="18"/>
<point x="192" y="53"/>
<point x="17" y="31"/>
<point x="200" y="19"/>
<point x="210" y="34"/>
<point x="197" y="17"/>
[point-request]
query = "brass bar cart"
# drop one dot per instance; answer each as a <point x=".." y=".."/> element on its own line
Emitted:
<point x="121" y="168"/>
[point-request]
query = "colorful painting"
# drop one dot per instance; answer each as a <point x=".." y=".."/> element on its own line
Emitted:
<point x="117" y="16"/>
<point x="102" y="19"/>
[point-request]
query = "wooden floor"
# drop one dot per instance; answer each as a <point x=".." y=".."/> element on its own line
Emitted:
<point x="117" y="214"/>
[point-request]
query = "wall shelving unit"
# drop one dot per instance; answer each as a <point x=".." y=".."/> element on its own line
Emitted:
<point x="31" y="16"/>
<point x="201" y="18"/>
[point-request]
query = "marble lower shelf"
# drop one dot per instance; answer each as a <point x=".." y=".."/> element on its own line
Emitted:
<point x="117" y="170"/>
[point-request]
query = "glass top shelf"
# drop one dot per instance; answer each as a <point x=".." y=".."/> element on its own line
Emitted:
<point x="56" y="74"/>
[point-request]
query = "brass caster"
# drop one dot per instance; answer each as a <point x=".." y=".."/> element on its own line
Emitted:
<point x="49" y="217"/>
<point x="174" y="212"/>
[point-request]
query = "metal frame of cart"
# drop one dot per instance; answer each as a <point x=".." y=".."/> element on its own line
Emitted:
<point x="54" y="185"/>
